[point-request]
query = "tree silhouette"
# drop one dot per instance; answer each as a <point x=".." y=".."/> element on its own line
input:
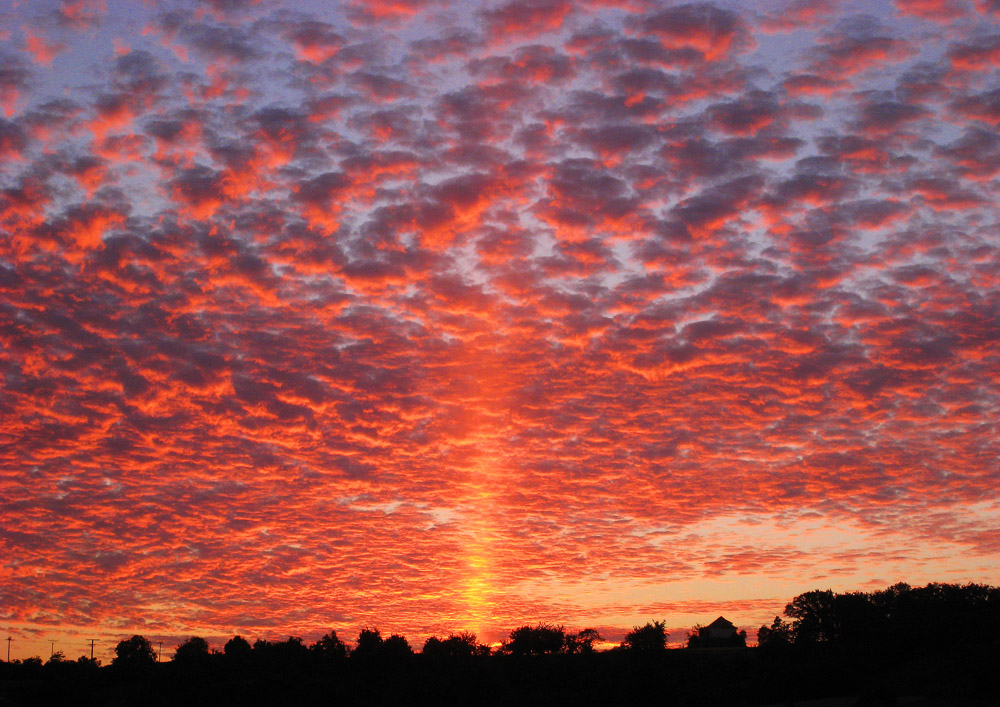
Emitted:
<point x="33" y="664"/>
<point x="583" y="642"/>
<point x="329" y="647"/>
<point x="536" y="640"/>
<point x="134" y="653"/>
<point x="872" y="645"/>
<point x="456" y="646"/>
<point x="193" y="651"/>
<point x="775" y="636"/>
<point x="237" y="649"/>
<point x="369" y="644"/>
<point x="651" y="637"/>
<point x="373" y="649"/>
<point x="396" y="648"/>
<point x="898" y="618"/>
<point x="814" y="619"/>
<point x="291" y="651"/>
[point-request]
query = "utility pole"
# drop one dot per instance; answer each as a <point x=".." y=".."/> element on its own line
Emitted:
<point x="159" y="653"/>
<point x="52" y="648"/>
<point x="9" y="639"/>
<point x="92" y="641"/>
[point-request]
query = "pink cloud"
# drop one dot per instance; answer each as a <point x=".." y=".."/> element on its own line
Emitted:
<point x="445" y="318"/>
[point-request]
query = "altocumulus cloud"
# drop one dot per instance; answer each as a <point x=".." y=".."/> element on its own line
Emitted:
<point x="445" y="316"/>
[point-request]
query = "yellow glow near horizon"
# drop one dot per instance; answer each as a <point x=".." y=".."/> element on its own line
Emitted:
<point x="478" y="585"/>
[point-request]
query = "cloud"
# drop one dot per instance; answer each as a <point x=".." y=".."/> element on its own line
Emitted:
<point x="525" y="18"/>
<point x="82" y="14"/>
<point x="799" y="14"/>
<point x="13" y="139"/>
<point x="703" y="27"/>
<point x="454" y="317"/>
<point x="42" y="50"/>
<point x="314" y="41"/>
<point x="936" y="10"/>
<point x="14" y="80"/>
<point x="858" y="46"/>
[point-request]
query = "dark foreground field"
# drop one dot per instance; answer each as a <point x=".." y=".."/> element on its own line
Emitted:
<point x="822" y="678"/>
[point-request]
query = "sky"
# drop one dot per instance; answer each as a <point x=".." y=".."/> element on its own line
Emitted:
<point x="439" y="316"/>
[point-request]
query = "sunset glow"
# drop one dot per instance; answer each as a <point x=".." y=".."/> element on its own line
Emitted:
<point x="440" y="317"/>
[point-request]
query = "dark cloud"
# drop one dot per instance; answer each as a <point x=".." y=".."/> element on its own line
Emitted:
<point x="380" y="87"/>
<point x="212" y="41"/>
<point x="13" y="139"/>
<point x="15" y="79"/>
<point x="858" y="44"/>
<point x="745" y="116"/>
<point x="714" y="206"/>
<point x="976" y="153"/>
<point x="983" y="106"/>
<point x="453" y="43"/>
<point x="880" y="116"/>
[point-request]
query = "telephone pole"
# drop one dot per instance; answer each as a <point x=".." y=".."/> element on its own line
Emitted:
<point x="9" y="639"/>
<point x="52" y="648"/>
<point x="92" y="641"/>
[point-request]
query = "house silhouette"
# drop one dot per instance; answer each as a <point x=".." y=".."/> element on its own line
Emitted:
<point x="721" y="633"/>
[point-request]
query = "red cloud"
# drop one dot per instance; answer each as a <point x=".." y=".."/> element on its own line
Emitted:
<point x="937" y="10"/>
<point x="975" y="57"/>
<point x="526" y="18"/>
<point x="845" y="56"/>
<point x="988" y="7"/>
<point x="808" y="84"/>
<point x="43" y="51"/>
<point x="316" y="42"/>
<point x="82" y="14"/>
<point x="372" y="11"/>
<point x="712" y="31"/>
<point x="799" y="14"/>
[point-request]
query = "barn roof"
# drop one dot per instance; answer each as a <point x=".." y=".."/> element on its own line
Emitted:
<point x="721" y="622"/>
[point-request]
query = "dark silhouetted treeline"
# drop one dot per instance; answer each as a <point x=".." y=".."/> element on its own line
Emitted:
<point x="933" y="645"/>
<point x="900" y="619"/>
